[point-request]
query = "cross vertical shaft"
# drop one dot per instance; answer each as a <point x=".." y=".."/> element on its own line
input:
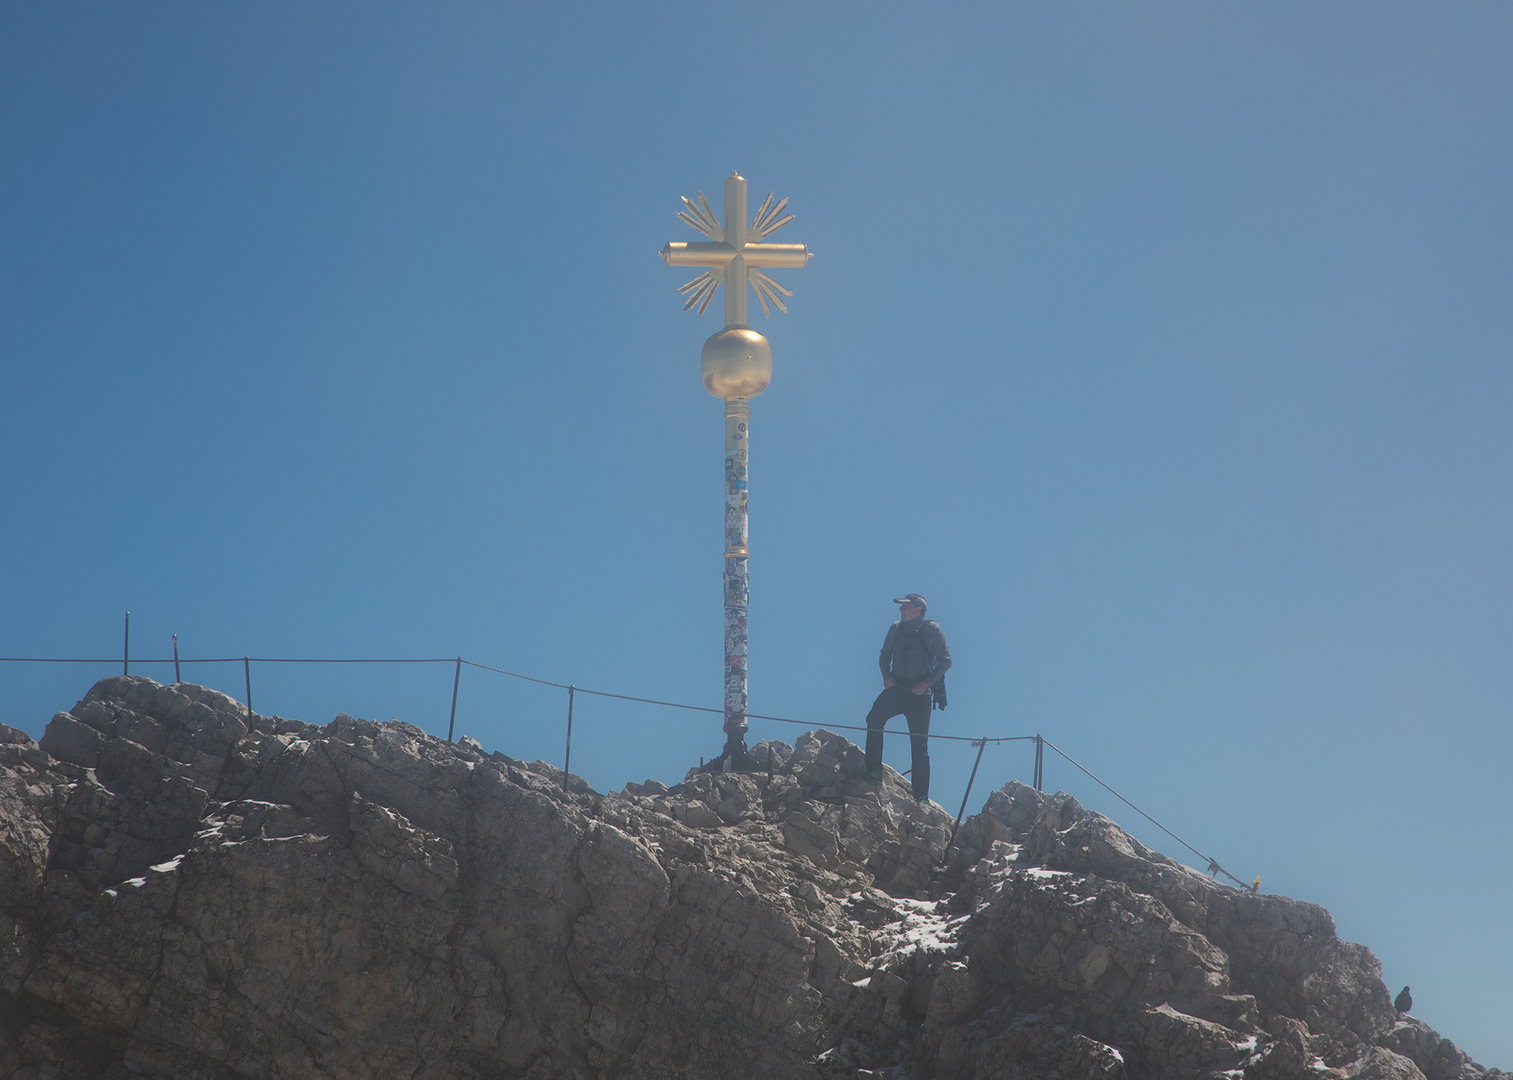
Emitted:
<point x="735" y="236"/>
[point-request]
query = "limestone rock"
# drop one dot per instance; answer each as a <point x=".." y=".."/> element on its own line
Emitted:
<point x="187" y="890"/>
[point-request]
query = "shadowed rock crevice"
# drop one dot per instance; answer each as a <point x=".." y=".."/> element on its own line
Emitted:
<point x="189" y="891"/>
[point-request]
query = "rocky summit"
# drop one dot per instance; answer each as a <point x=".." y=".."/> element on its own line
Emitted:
<point x="188" y="891"/>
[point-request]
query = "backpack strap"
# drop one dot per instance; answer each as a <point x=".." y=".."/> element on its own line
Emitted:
<point x="931" y="630"/>
<point x="927" y="633"/>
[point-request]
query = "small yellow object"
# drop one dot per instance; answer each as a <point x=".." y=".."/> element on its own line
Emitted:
<point x="1255" y="886"/>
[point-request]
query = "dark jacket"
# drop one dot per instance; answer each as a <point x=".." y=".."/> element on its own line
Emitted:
<point x="915" y="653"/>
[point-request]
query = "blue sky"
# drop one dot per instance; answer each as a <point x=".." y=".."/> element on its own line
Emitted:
<point x="1165" y="348"/>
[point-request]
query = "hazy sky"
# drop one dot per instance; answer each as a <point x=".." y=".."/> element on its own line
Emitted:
<point x="1166" y="348"/>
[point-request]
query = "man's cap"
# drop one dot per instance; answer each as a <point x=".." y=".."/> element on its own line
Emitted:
<point x="911" y="598"/>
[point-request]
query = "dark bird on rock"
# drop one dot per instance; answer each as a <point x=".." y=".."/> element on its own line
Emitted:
<point x="1403" y="1002"/>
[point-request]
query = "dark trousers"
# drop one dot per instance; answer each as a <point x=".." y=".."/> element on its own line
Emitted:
<point x="916" y="711"/>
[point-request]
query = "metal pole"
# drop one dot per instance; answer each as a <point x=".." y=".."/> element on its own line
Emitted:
<point x="1039" y="763"/>
<point x="176" y="676"/>
<point x="126" y="648"/>
<point x="981" y="746"/>
<point x="456" y="681"/>
<point x="567" y="758"/>
<point x="735" y="365"/>
<point x="737" y="574"/>
<point x="247" y="670"/>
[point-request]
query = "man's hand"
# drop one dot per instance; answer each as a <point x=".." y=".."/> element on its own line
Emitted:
<point x="888" y="683"/>
<point x="921" y="688"/>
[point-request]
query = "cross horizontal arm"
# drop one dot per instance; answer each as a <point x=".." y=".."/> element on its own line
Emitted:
<point x="697" y="253"/>
<point x="779" y="255"/>
<point x="706" y="253"/>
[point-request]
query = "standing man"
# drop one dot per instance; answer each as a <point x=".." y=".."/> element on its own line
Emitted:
<point x="914" y="660"/>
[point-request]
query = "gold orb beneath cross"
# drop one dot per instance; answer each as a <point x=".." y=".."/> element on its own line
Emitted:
<point x="736" y="363"/>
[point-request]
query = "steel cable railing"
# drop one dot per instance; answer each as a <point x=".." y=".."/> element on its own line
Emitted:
<point x="980" y="742"/>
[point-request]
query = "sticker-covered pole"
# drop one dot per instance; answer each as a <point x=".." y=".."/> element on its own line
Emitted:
<point x="737" y="581"/>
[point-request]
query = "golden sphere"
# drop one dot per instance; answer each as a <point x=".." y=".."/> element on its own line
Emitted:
<point x="736" y="363"/>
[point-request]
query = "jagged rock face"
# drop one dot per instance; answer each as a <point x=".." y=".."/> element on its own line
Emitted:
<point x="189" y="892"/>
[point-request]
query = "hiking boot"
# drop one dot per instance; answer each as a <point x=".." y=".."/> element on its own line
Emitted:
<point x="873" y="775"/>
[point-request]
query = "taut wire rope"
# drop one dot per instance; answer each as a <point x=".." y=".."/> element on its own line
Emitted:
<point x="1213" y="866"/>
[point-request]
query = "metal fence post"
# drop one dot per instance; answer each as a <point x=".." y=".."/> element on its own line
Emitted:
<point x="176" y="677"/>
<point x="247" y="670"/>
<point x="126" y="648"/>
<point x="1039" y="763"/>
<point x="456" y="681"/>
<point x="568" y="757"/>
<point x="981" y="746"/>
